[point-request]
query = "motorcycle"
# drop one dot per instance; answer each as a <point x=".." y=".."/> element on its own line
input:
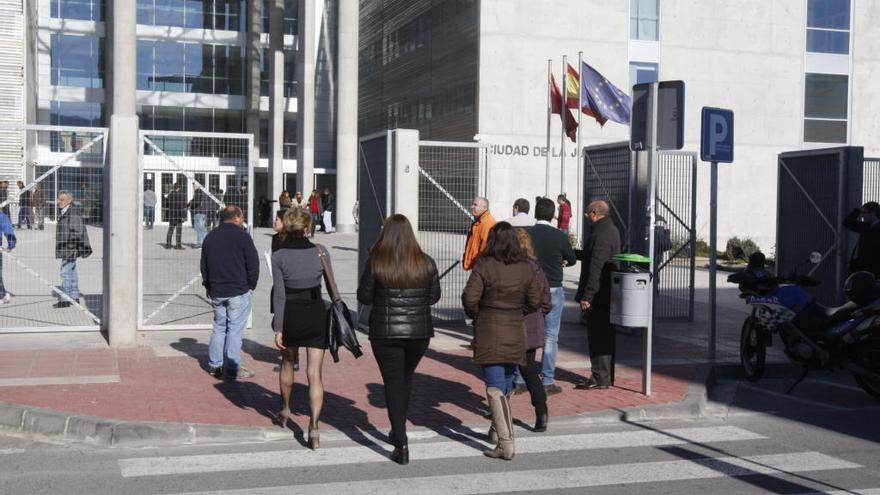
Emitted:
<point x="814" y="336"/>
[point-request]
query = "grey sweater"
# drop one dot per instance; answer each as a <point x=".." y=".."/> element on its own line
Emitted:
<point x="295" y="265"/>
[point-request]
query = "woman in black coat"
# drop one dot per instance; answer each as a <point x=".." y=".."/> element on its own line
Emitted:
<point x="401" y="282"/>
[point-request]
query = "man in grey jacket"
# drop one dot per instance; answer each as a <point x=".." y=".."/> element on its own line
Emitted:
<point x="71" y="242"/>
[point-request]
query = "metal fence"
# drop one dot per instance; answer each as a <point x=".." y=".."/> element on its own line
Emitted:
<point x="185" y="179"/>
<point x="610" y="176"/>
<point x="373" y="193"/>
<point x="871" y="180"/>
<point x="54" y="276"/>
<point x="451" y="175"/>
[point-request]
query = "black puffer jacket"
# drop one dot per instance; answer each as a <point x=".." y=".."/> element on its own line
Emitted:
<point x="399" y="313"/>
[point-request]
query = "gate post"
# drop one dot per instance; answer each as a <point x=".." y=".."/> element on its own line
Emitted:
<point x="120" y="229"/>
<point x="405" y="174"/>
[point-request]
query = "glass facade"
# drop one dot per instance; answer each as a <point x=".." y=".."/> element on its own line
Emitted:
<point x="81" y="10"/>
<point x="828" y="26"/>
<point x="643" y="72"/>
<point x="190" y="67"/>
<point x="77" y="61"/>
<point x="227" y="15"/>
<point x="644" y="20"/>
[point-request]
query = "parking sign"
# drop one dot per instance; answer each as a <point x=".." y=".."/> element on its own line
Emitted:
<point x="716" y="143"/>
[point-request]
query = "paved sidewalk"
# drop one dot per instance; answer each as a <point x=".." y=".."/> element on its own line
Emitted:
<point x="163" y="379"/>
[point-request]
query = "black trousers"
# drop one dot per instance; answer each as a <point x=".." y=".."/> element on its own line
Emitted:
<point x="397" y="359"/>
<point x="531" y="373"/>
<point x="602" y="346"/>
<point x="172" y="225"/>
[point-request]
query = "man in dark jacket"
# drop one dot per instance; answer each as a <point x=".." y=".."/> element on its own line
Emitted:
<point x="201" y="206"/>
<point x="594" y="293"/>
<point x="24" y="207"/>
<point x="866" y="222"/>
<point x="328" y="203"/>
<point x="554" y="252"/>
<point x="175" y="201"/>
<point x="230" y="269"/>
<point x="71" y="242"/>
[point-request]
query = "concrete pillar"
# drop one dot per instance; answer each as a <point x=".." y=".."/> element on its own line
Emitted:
<point x="121" y="213"/>
<point x="305" y="95"/>
<point x="405" y="174"/>
<point x="276" y="99"/>
<point x="252" y="69"/>
<point x="347" y="115"/>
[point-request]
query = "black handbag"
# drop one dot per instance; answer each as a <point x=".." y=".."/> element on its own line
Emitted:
<point x="340" y="329"/>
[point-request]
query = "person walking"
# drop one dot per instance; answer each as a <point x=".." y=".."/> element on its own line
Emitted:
<point x="230" y="268"/>
<point x="201" y="206"/>
<point x="865" y="221"/>
<point x="478" y="236"/>
<point x="594" y="294"/>
<point x="315" y="209"/>
<point x="71" y="242"/>
<point x="499" y="291"/>
<point x="278" y="227"/>
<point x="300" y="318"/>
<point x="328" y="205"/>
<point x="38" y="203"/>
<point x="24" y="207"/>
<point x="564" y="215"/>
<point x="7" y="232"/>
<point x="555" y="253"/>
<point x="528" y="377"/>
<point x="149" y="206"/>
<point x="4" y="196"/>
<point x="176" y="204"/>
<point x="401" y="283"/>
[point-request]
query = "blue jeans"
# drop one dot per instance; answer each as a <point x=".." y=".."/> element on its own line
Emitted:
<point x="149" y="215"/>
<point x="69" y="279"/>
<point x="199" y="225"/>
<point x="552" y="322"/>
<point x="2" y="288"/>
<point x="499" y="376"/>
<point x="230" y="318"/>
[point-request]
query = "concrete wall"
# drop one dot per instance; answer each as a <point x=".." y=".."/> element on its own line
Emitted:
<point x="866" y="70"/>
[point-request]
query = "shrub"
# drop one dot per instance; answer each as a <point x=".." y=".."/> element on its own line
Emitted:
<point x="740" y="249"/>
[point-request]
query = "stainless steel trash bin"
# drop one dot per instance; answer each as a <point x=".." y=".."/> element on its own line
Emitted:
<point x="630" y="297"/>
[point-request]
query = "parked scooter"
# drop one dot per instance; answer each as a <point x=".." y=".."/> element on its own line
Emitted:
<point x="815" y="336"/>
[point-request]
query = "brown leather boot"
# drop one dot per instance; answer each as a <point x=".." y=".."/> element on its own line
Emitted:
<point x="502" y="420"/>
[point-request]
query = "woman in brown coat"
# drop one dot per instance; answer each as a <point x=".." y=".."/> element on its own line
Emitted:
<point x="499" y="292"/>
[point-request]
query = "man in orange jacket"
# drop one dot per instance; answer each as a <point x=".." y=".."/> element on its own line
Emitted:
<point x="479" y="234"/>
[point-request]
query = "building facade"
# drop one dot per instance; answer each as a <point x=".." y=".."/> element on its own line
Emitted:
<point x="797" y="74"/>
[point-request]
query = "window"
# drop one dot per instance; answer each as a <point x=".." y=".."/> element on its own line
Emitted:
<point x="644" y="20"/>
<point x="828" y="26"/>
<point x="84" y="10"/>
<point x="825" y="108"/>
<point x="642" y="72"/>
<point x="77" y="61"/>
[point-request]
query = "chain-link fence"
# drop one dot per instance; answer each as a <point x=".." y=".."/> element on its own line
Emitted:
<point x="53" y="278"/>
<point x="186" y="178"/>
<point x="451" y="175"/>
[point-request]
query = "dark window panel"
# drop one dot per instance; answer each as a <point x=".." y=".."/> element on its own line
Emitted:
<point x="825" y="96"/>
<point x="824" y="131"/>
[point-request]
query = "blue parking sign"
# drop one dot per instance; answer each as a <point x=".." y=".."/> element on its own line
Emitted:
<point x="716" y="143"/>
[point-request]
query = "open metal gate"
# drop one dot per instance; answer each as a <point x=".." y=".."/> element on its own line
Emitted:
<point x="55" y="160"/>
<point x="171" y="295"/>
<point x="610" y="176"/>
<point x="450" y="176"/>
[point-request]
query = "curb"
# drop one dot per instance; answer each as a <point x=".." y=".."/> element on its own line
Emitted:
<point x="109" y="433"/>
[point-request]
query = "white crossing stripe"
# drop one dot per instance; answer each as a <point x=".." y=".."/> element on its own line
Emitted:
<point x="567" y="478"/>
<point x="156" y="466"/>
<point x="11" y="451"/>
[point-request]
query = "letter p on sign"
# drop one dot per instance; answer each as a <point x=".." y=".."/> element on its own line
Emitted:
<point x="716" y="143"/>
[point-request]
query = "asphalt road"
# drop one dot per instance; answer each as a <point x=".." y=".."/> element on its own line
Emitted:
<point x="822" y="438"/>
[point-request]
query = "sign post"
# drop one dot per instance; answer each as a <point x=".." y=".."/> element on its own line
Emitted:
<point x="716" y="145"/>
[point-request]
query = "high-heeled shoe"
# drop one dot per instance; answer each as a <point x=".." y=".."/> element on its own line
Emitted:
<point x="400" y="455"/>
<point x="314" y="439"/>
<point x="282" y="417"/>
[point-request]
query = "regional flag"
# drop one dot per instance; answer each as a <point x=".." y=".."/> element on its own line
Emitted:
<point x="603" y="100"/>
<point x="569" y="123"/>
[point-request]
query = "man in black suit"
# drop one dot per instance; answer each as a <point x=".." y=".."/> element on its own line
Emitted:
<point x="175" y="201"/>
<point x="594" y="293"/>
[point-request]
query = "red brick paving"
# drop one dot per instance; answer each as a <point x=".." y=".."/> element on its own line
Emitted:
<point x="447" y="389"/>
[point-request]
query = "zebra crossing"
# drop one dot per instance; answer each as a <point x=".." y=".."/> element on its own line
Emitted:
<point x="711" y="456"/>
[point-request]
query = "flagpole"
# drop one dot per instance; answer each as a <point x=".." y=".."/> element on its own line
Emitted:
<point x="549" y="114"/>
<point x="562" y="115"/>
<point x="580" y="159"/>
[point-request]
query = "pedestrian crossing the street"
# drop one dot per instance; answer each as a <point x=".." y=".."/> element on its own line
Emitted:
<point x="711" y="458"/>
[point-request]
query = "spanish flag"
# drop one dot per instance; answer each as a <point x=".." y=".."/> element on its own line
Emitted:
<point x="572" y="87"/>
<point x="569" y="123"/>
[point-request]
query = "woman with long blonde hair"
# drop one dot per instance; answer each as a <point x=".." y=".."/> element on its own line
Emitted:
<point x="300" y="316"/>
<point x="401" y="282"/>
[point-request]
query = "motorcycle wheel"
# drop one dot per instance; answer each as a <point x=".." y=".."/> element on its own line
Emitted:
<point x="869" y="385"/>
<point x="752" y="352"/>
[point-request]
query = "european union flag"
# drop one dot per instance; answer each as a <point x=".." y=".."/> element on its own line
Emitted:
<point x="601" y="99"/>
